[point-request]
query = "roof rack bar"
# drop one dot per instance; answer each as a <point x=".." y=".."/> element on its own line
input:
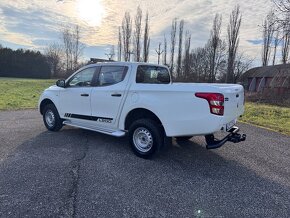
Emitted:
<point x="98" y="60"/>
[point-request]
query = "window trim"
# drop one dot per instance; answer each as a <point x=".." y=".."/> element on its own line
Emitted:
<point x="125" y="72"/>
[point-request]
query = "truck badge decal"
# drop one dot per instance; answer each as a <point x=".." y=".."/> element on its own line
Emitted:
<point x="105" y="120"/>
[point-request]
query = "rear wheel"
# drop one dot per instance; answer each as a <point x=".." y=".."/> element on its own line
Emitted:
<point x="184" y="138"/>
<point x="51" y="118"/>
<point x="146" y="137"/>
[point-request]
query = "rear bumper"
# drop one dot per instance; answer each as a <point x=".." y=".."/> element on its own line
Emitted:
<point x="233" y="136"/>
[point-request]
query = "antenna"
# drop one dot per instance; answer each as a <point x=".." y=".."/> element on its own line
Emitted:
<point x="111" y="54"/>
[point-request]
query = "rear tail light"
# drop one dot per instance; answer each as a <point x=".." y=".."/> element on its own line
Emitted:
<point x="215" y="101"/>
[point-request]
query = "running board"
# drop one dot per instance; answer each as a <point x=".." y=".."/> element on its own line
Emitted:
<point x="117" y="133"/>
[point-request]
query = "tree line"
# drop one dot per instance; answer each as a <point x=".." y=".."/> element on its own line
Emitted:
<point x="23" y="63"/>
<point x="219" y="60"/>
<point x="59" y="59"/>
<point x="276" y="34"/>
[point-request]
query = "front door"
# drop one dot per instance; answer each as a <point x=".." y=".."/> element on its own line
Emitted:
<point x="108" y="95"/>
<point x="75" y="103"/>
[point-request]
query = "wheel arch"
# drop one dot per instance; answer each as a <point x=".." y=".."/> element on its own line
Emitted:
<point x="141" y="113"/>
<point x="45" y="102"/>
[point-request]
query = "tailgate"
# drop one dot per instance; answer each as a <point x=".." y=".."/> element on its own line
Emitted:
<point x="234" y="102"/>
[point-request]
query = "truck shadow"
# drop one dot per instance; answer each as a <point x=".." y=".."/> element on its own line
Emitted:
<point x="183" y="179"/>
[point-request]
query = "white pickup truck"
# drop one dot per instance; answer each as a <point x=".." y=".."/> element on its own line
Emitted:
<point x="141" y="101"/>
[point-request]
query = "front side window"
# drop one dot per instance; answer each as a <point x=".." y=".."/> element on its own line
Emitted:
<point x="110" y="75"/>
<point x="83" y="78"/>
<point x="152" y="75"/>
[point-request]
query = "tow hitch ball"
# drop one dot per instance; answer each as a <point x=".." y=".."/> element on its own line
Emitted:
<point x="233" y="136"/>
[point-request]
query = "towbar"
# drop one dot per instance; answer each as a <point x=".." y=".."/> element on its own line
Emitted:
<point x="233" y="136"/>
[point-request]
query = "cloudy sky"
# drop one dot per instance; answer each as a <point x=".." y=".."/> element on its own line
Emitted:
<point x="34" y="24"/>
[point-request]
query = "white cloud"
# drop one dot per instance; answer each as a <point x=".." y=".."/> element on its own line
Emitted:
<point x="21" y="39"/>
<point x="198" y="16"/>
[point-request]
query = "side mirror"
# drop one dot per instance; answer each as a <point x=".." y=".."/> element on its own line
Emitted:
<point x="60" y="83"/>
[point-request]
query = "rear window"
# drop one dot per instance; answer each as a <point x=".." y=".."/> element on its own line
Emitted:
<point x="152" y="75"/>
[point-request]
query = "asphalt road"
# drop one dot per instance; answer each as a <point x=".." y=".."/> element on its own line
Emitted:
<point x="79" y="173"/>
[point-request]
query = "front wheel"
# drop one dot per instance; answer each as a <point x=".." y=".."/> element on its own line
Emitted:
<point x="146" y="137"/>
<point x="51" y="118"/>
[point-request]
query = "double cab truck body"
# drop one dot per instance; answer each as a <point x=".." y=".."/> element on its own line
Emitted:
<point x="140" y="100"/>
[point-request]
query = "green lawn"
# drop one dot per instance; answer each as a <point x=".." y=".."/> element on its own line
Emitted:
<point x="21" y="93"/>
<point x="268" y="116"/>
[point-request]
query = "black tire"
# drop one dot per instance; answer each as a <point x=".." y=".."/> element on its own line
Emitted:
<point x="184" y="138"/>
<point x="150" y="131"/>
<point x="52" y="126"/>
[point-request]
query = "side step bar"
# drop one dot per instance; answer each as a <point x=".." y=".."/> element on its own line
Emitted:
<point x="233" y="136"/>
<point x="115" y="133"/>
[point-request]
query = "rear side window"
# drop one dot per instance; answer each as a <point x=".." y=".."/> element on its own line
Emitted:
<point x="110" y="75"/>
<point x="152" y="75"/>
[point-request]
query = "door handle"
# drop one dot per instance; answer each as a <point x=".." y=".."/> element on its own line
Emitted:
<point x="84" y="95"/>
<point x="116" y="95"/>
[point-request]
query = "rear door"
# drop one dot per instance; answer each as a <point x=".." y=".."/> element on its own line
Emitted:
<point x="108" y="95"/>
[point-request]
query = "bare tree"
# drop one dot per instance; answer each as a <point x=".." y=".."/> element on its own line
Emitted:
<point x="233" y="41"/>
<point x="78" y="47"/>
<point x="268" y="31"/>
<point x="73" y="48"/>
<point x="53" y="54"/>
<point x="119" y="45"/>
<point x="282" y="20"/>
<point x="221" y="62"/>
<point x="276" y="43"/>
<point x="179" y="58"/>
<point x="127" y="33"/>
<point x="147" y="51"/>
<point x="67" y="46"/>
<point x="137" y="35"/>
<point x="199" y="64"/>
<point x="283" y="5"/>
<point x="242" y="64"/>
<point x="165" y="51"/>
<point x="186" y="60"/>
<point x="159" y="52"/>
<point x="285" y="42"/>
<point x="173" y="42"/>
<point x="214" y="44"/>
<point x="146" y="40"/>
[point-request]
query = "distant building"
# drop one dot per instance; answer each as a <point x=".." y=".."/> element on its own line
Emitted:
<point x="268" y="79"/>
